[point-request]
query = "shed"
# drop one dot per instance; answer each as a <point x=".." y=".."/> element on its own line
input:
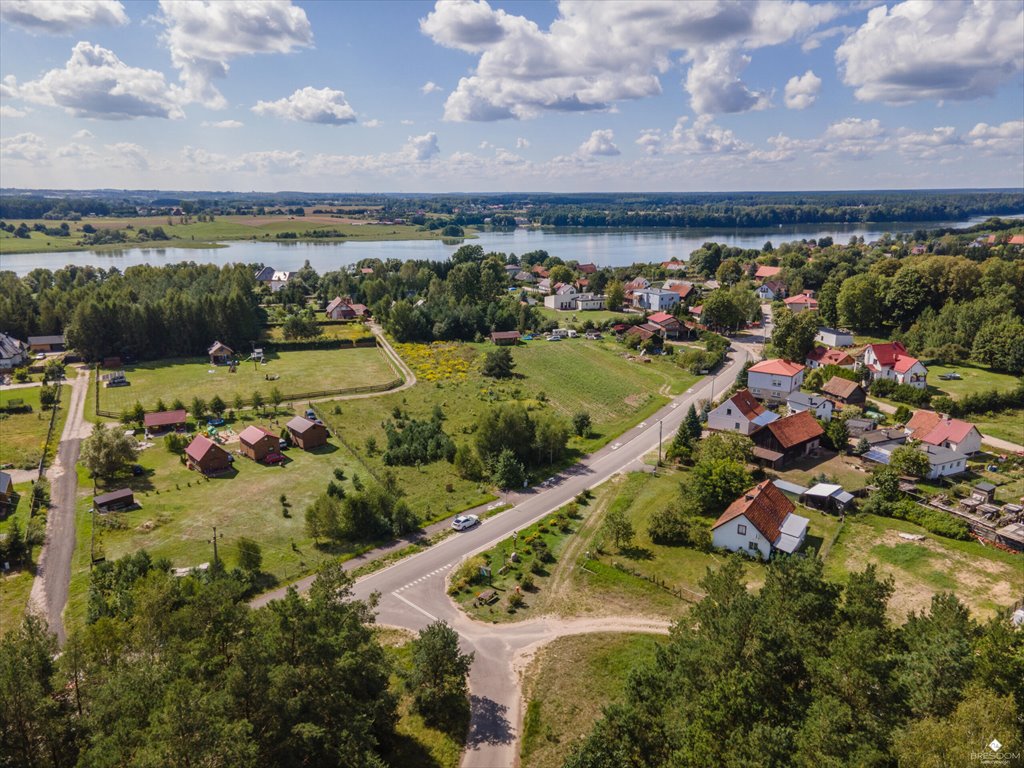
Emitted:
<point x="505" y="338"/>
<point x="1012" y="535"/>
<point x="220" y="354"/>
<point x="307" y="434"/>
<point x="983" y="492"/>
<point x="123" y="498"/>
<point x="204" y="455"/>
<point x="46" y="343"/>
<point x="827" y="496"/>
<point x="256" y="442"/>
<point x="157" y="421"/>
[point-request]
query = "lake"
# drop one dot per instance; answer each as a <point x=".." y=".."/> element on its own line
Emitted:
<point x="605" y="248"/>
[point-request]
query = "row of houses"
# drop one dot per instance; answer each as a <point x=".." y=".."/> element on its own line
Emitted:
<point x="208" y="457"/>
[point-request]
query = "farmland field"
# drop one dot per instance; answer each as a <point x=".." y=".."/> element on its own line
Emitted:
<point x="567" y="685"/>
<point x="563" y="378"/>
<point x="179" y="507"/>
<point x="297" y="372"/>
<point x="22" y="434"/>
<point x="203" y="234"/>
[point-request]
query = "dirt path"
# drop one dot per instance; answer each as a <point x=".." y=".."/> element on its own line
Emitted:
<point x="49" y="592"/>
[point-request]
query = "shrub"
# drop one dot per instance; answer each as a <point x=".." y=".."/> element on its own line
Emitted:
<point x="527" y="582"/>
<point x="418" y="442"/>
<point x="932" y="520"/>
<point x="515" y="600"/>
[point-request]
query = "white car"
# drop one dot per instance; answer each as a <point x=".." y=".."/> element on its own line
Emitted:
<point x="462" y="522"/>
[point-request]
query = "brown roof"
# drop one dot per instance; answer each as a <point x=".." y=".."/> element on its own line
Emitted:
<point x="922" y="422"/>
<point x="504" y="335"/>
<point x="300" y="425"/>
<point x="765" y="271"/>
<point x="335" y="303"/>
<point x="764" y="505"/>
<point x="164" y="418"/>
<point x="200" y="446"/>
<point x="796" y="429"/>
<point x="837" y="386"/>
<point x="746" y="403"/>
<point x="253" y="434"/>
<point x="112" y="496"/>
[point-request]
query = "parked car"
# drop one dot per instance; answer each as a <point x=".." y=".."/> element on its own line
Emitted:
<point x="311" y="414"/>
<point x="282" y="443"/>
<point x="554" y="338"/>
<point x="273" y="458"/>
<point x="462" y="522"/>
<point x="218" y="422"/>
<point x="138" y="469"/>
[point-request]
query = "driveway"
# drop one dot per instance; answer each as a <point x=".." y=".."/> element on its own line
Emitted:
<point x="49" y="592"/>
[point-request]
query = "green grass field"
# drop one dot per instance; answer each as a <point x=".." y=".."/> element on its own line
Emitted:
<point x="573" y="375"/>
<point x="984" y="578"/>
<point x="179" y="509"/>
<point x="201" y="234"/>
<point x="568" y="684"/>
<point x="22" y="434"/>
<point x="569" y="318"/>
<point x="844" y="470"/>
<point x="16" y="586"/>
<point x="298" y="372"/>
<point x="974" y="379"/>
<point x="347" y="331"/>
<point x="1006" y="425"/>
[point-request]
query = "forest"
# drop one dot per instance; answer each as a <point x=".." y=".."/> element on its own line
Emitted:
<point x="807" y="673"/>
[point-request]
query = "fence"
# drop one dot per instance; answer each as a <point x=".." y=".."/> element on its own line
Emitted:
<point x="682" y="593"/>
<point x="34" y="507"/>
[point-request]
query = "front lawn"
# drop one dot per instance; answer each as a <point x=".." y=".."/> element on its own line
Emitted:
<point x="296" y="372"/>
<point x="572" y="318"/>
<point x="22" y="434"/>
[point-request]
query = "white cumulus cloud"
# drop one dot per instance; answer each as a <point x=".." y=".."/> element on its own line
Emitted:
<point x="597" y="53"/>
<point x="62" y="17"/>
<point x="522" y="143"/>
<point x="375" y="123"/>
<point x="802" y="91"/>
<point x="96" y="83"/>
<point x="83" y="135"/>
<point x="310" y="105"/>
<point x="225" y="124"/>
<point x="651" y="141"/>
<point x="129" y="155"/>
<point x="204" y="36"/>
<point x="422" y="148"/>
<point x="9" y="111"/>
<point x="934" y="50"/>
<point x="24" y="146"/>
<point x="1003" y="139"/>
<point x="430" y="87"/>
<point x="600" y="144"/>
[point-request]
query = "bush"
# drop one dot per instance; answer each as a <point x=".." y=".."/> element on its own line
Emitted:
<point x="527" y="582"/>
<point x="941" y="523"/>
<point x="674" y="527"/>
<point x="901" y="393"/>
<point x="515" y="600"/>
<point x="418" y="442"/>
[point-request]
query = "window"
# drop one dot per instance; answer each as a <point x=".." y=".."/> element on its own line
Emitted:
<point x="752" y="545"/>
<point x="741" y="530"/>
<point x="737" y="425"/>
<point x="728" y="411"/>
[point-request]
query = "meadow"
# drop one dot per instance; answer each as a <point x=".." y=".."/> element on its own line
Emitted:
<point x="973" y="379"/>
<point x="179" y="508"/>
<point x="1005" y="425"/>
<point x="204" y="233"/>
<point x="567" y="685"/>
<point x="563" y="378"/>
<point x="345" y="331"/>
<point x="22" y="434"/>
<point x="296" y="371"/>
<point x="570" y="318"/>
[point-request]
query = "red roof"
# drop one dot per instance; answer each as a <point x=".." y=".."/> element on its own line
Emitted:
<point x="803" y="300"/>
<point x="904" y="363"/>
<point x="1016" y="240"/>
<point x="164" y="418"/>
<point x="795" y="429"/>
<point x="764" y="505"/>
<point x="660" y="317"/>
<point x="253" y="434"/>
<point x="587" y="269"/>
<point x="888" y="352"/>
<point x="746" y="404"/>
<point x="538" y="269"/>
<point x="778" y="367"/>
<point x="200" y="446"/>
<point x="827" y="356"/>
<point x="765" y="271"/>
<point x="673" y="264"/>
<point x="697" y="310"/>
<point x="504" y="335"/>
<point x="934" y="429"/>
<point x="359" y="309"/>
<point x="336" y="303"/>
<point x="681" y="288"/>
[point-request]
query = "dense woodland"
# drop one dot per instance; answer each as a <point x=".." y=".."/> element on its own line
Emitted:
<point x="806" y="673"/>
<point x="181" y="672"/>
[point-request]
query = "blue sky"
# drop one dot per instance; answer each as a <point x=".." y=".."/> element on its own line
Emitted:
<point x="642" y="95"/>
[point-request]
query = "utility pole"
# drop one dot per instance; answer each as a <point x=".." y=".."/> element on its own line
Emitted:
<point x="214" y="542"/>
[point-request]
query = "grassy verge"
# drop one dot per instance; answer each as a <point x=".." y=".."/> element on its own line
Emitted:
<point x="984" y="578"/>
<point x="22" y="434"/>
<point x="568" y="684"/>
<point x="1005" y="425"/>
<point x="296" y="371"/>
<point x="562" y="378"/>
<point x="418" y="745"/>
<point x="16" y="585"/>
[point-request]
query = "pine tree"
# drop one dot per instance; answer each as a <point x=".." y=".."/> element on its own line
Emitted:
<point x="692" y="423"/>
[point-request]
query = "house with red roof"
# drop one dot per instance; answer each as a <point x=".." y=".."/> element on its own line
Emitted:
<point x="774" y="379"/>
<point x="586" y="269"/>
<point x="539" y="271"/>
<point x="891" y="361"/>
<point x="819" y="357"/>
<point x="935" y="429"/>
<point x="339" y="309"/>
<point x="764" y="272"/>
<point x="670" y="327"/>
<point x="740" y="413"/>
<point x="636" y="284"/>
<point x="1016" y="240"/>
<point x="205" y="456"/>
<point x="157" y="421"/>
<point x="673" y="266"/>
<point x="256" y="442"/>
<point x="770" y="290"/>
<point x="780" y="442"/>
<point x="800" y="302"/>
<point x="680" y="287"/>
<point x="762" y="521"/>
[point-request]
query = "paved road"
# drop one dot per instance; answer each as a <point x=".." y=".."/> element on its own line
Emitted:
<point x="412" y="591"/>
<point x="49" y="592"/>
